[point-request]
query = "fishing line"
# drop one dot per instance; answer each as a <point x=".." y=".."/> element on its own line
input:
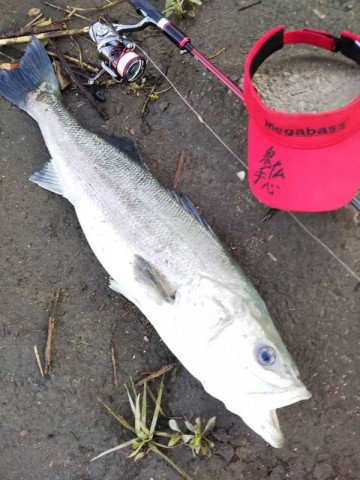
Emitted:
<point x="201" y="120"/>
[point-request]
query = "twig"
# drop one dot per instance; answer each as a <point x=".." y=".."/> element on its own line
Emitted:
<point x="94" y="9"/>
<point x="157" y="374"/>
<point x="248" y="5"/>
<point x="42" y="36"/>
<point x="179" y="170"/>
<point x="78" y="49"/>
<point x="51" y="328"/>
<point x="37" y="356"/>
<point x="102" y="112"/>
<point x="70" y="13"/>
<point x="75" y="60"/>
<point x="269" y="214"/>
<point x="113" y="358"/>
<point x="8" y="57"/>
<point x="160" y="92"/>
<point x="29" y="31"/>
<point x="143" y="110"/>
<point x="222" y="50"/>
<point x="153" y="398"/>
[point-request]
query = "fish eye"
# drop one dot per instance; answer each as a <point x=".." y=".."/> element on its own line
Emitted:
<point x="266" y="356"/>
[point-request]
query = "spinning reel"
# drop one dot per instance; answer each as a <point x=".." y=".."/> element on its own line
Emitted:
<point x="118" y="53"/>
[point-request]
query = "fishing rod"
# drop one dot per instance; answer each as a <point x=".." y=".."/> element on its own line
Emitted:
<point x="124" y="64"/>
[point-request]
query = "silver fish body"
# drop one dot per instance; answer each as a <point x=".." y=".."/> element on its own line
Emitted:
<point x="163" y="259"/>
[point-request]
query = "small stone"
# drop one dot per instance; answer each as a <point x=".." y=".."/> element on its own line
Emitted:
<point x="323" y="471"/>
<point x="221" y="435"/>
<point x="225" y="450"/>
<point x="277" y="473"/>
<point x="145" y="128"/>
<point x="275" y="476"/>
<point x="146" y="339"/>
<point x="242" y="453"/>
<point x="23" y="433"/>
<point x="163" y="106"/>
<point x="241" y="175"/>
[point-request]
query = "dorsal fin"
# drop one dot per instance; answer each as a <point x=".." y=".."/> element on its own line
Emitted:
<point x="187" y="205"/>
<point x="124" y="144"/>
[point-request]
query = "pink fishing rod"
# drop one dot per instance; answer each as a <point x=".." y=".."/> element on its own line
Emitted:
<point x="155" y="18"/>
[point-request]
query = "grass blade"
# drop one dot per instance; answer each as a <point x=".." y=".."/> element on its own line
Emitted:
<point x="130" y="400"/>
<point x="137" y="450"/>
<point x="170" y="462"/>
<point x="137" y="415"/>
<point x="144" y="405"/>
<point x="121" y="420"/>
<point x="157" y="407"/>
<point x="118" y="447"/>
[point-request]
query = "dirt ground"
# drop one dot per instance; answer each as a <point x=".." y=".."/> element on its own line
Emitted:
<point x="313" y="299"/>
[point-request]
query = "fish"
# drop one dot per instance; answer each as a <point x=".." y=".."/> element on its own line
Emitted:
<point x="161" y="255"/>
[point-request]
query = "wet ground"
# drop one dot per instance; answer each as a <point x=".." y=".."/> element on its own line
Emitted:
<point x="50" y="429"/>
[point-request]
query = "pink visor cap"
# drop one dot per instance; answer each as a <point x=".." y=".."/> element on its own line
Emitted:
<point x="309" y="161"/>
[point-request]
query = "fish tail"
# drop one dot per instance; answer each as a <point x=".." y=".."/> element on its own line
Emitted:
<point x="34" y="70"/>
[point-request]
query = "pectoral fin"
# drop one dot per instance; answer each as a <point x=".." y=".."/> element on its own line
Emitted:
<point x="152" y="280"/>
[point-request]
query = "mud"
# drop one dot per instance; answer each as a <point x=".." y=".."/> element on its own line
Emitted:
<point x="314" y="301"/>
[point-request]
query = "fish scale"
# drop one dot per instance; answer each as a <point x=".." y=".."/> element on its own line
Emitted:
<point x="163" y="257"/>
<point x="118" y="187"/>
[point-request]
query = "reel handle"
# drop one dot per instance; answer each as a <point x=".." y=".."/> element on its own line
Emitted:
<point x="145" y="8"/>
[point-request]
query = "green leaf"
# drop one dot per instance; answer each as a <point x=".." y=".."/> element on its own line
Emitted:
<point x="190" y="427"/>
<point x="196" y="2"/>
<point x="210" y="424"/>
<point x="133" y="454"/>
<point x="139" y="455"/>
<point x="191" y="13"/>
<point x="168" y="4"/>
<point x="187" y="438"/>
<point x="174" y="425"/>
<point x="163" y="434"/>
<point x="174" y="439"/>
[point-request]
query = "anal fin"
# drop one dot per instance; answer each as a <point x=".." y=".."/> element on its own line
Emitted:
<point x="48" y="178"/>
<point x="114" y="285"/>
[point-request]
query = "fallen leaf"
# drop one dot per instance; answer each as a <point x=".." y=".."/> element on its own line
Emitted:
<point x="43" y="22"/>
<point x="34" y="12"/>
<point x="23" y="433"/>
<point x="8" y="66"/>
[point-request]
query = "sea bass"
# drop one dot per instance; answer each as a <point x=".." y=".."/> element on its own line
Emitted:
<point x="162" y="256"/>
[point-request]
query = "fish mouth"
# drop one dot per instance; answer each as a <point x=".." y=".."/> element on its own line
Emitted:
<point x="282" y="397"/>
<point x="260" y="413"/>
<point x="266" y="424"/>
<point x="273" y="434"/>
